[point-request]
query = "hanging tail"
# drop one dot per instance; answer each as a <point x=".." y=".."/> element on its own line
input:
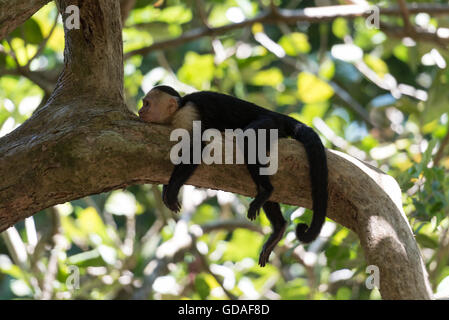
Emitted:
<point x="316" y="156"/>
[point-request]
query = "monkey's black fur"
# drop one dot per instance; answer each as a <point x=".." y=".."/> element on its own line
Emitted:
<point x="220" y="111"/>
<point x="169" y="90"/>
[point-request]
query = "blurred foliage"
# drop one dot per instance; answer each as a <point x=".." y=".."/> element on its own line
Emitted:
<point x="125" y="244"/>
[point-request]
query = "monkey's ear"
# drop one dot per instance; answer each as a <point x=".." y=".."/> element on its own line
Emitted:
<point x="173" y="105"/>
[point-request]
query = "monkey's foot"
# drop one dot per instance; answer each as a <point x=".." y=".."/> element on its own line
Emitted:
<point x="271" y="243"/>
<point x="253" y="211"/>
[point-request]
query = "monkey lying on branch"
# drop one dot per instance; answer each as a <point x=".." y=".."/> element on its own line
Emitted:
<point x="164" y="105"/>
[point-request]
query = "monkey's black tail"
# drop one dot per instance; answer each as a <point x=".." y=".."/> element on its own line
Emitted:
<point x="316" y="156"/>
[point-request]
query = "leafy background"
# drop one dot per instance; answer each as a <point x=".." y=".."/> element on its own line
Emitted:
<point x="381" y="99"/>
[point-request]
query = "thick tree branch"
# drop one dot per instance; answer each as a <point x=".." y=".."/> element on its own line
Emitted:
<point x="15" y="12"/>
<point x="100" y="149"/>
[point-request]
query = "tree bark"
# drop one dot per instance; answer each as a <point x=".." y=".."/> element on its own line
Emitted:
<point x="15" y="12"/>
<point x="85" y="141"/>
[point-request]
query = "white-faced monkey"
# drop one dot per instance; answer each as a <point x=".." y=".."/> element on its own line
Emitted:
<point x="164" y="105"/>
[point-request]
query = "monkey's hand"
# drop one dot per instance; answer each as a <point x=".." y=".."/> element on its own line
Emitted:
<point x="170" y="199"/>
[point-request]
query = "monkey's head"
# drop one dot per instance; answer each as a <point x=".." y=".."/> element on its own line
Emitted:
<point x="159" y="105"/>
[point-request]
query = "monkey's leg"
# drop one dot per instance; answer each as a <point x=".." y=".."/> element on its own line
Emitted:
<point x="274" y="214"/>
<point x="179" y="176"/>
<point x="264" y="190"/>
<point x="263" y="184"/>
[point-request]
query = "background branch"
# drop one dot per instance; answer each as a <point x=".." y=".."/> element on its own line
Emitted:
<point x="315" y="14"/>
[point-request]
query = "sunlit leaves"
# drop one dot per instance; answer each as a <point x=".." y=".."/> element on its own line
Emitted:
<point x="133" y="39"/>
<point x="236" y="252"/>
<point x="30" y="32"/>
<point x="365" y="37"/>
<point x="270" y="77"/>
<point x="295" y="290"/>
<point x="88" y="227"/>
<point x="197" y="70"/>
<point x="327" y="69"/>
<point x="401" y="52"/>
<point x="7" y="267"/>
<point x="340" y="27"/>
<point x="295" y="43"/>
<point x="376" y="64"/>
<point x="311" y="111"/>
<point x="312" y="89"/>
<point x="205" y="213"/>
<point x="177" y="14"/>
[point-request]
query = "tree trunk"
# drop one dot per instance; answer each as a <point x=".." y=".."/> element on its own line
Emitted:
<point x="85" y="141"/>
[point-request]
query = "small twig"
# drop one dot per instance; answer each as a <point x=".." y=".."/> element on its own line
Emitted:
<point x="206" y="267"/>
<point x="43" y="44"/>
<point x="16" y="247"/>
<point x="231" y="225"/>
<point x="406" y="17"/>
<point x="203" y="14"/>
<point x="13" y="54"/>
<point x="440" y="153"/>
<point x="130" y="237"/>
<point x="352" y="103"/>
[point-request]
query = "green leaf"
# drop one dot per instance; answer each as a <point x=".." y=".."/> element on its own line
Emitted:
<point x="176" y="14"/>
<point x="205" y="213"/>
<point x="437" y="102"/>
<point x="401" y="52"/>
<point x="377" y="64"/>
<point x="340" y="27"/>
<point x="197" y="70"/>
<point x="7" y="267"/>
<point x="296" y="289"/>
<point x="271" y="77"/>
<point x="312" y="89"/>
<point x="235" y="251"/>
<point x="30" y="31"/>
<point x="295" y="43"/>
<point x="426" y="241"/>
<point x="327" y="69"/>
<point x="343" y="293"/>
<point x="314" y="110"/>
<point x="90" y="222"/>
<point x="202" y="287"/>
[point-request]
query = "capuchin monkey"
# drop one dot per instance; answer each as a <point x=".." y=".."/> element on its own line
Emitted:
<point x="164" y="105"/>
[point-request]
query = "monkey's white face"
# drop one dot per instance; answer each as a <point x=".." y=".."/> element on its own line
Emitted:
<point x="158" y="107"/>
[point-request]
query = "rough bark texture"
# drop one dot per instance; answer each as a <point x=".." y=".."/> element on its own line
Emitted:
<point x="15" y="12"/>
<point x="85" y="141"/>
